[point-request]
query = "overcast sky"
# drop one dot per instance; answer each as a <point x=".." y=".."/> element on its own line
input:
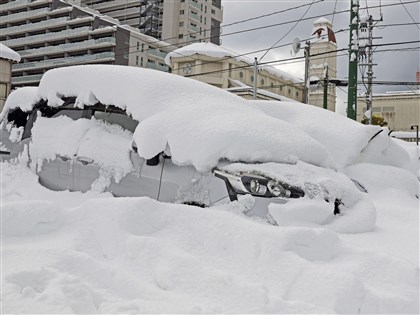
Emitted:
<point x="392" y="66"/>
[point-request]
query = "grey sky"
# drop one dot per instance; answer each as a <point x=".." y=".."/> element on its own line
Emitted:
<point x="392" y="66"/>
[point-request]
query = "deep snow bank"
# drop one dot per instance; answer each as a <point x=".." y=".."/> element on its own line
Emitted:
<point x="138" y="255"/>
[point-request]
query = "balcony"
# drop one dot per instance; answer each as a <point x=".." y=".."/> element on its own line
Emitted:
<point x="193" y="29"/>
<point x="195" y="16"/>
<point x="87" y="44"/>
<point x="34" y="26"/>
<point x="26" y="79"/>
<point x="114" y="4"/>
<point x="48" y="37"/>
<point x="14" y="5"/>
<point x="155" y="66"/>
<point x="21" y="16"/>
<point x="195" y="5"/>
<point x="52" y="63"/>
<point x="157" y="53"/>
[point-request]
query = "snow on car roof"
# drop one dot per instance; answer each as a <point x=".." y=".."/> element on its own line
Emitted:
<point x="199" y="123"/>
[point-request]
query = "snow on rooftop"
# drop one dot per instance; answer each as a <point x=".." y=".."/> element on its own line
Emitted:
<point x="8" y="53"/>
<point x="322" y="20"/>
<point x="215" y="51"/>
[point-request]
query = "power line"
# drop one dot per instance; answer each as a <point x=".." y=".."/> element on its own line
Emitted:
<point x="287" y="33"/>
<point x="408" y="12"/>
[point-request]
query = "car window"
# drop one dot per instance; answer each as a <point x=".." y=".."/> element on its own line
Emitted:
<point x="72" y="113"/>
<point x="121" y="119"/>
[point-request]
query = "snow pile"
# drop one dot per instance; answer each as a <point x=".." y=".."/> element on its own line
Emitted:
<point x="108" y="145"/>
<point x="357" y="215"/>
<point x="136" y="255"/>
<point x="185" y="114"/>
<point x="385" y="150"/>
<point x="347" y="141"/>
<point x="7" y="53"/>
<point x="377" y="178"/>
<point x="24" y="98"/>
<point x="218" y="132"/>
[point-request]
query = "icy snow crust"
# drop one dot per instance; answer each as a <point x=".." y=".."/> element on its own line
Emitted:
<point x="200" y="124"/>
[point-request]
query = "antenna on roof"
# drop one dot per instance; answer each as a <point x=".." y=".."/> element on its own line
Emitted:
<point x="295" y="47"/>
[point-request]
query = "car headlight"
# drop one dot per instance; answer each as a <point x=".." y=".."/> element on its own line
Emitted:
<point x="258" y="185"/>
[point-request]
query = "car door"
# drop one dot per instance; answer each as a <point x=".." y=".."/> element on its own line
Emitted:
<point x="57" y="174"/>
<point x="96" y="163"/>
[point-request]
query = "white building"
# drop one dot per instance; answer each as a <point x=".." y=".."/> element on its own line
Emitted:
<point x="226" y="69"/>
<point x="7" y="58"/>
<point x="400" y="110"/>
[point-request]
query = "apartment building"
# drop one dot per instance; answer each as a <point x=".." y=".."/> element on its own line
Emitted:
<point x="55" y="33"/>
<point x="179" y="22"/>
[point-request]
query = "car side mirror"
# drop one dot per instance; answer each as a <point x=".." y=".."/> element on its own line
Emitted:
<point x="153" y="161"/>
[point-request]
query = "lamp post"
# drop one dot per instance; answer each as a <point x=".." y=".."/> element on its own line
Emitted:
<point x="417" y="132"/>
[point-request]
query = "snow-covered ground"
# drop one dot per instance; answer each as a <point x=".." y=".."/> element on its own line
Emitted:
<point x="80" y="253"/>
<point x="70" y="252"/>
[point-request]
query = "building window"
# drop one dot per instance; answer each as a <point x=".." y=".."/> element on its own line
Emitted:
<point x="297" y="94"/>
<point x="289" y="91"/>
<point x="125" y="55"/>
<point x="141" y="61"/>
<point x="142" y="47"/>
<point x="262" y="82"/>
<point x="3" y="90"/>
<point x="241" y="75"/>
<point x="252" y="78"/>
<point x="213" y="11"/>
<point x="181" y="12"/>
<point x="137" y="60"/>
<point x="281" y="88"/>
<point x="138" y="45"/>
<point x="181" y="36"/>
<point x="181" y="24"/>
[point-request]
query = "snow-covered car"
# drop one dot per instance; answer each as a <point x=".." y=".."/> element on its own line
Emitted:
<point x="139" y="132"/>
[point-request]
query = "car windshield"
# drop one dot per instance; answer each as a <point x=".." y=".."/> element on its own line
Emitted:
<point x="121" y="119"/>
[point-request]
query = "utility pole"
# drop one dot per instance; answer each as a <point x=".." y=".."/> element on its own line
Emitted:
<point x="255" y="78"/>
<point x="353" y="56"/>
<point x="307" y="53"/>
<point x="370" y="71"/>
<point x="367" y="42"/>
<point x="325" y="104"/>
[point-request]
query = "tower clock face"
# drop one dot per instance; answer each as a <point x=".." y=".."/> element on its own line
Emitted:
<point x="187" y="68"/>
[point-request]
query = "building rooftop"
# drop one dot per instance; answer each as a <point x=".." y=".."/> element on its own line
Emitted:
<point x="9" y="54"/>
<point x="212" y="50"/>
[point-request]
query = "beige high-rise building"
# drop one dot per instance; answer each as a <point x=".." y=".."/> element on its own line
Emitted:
<point x="323" y="62"/>
<point x="178" y="22"/>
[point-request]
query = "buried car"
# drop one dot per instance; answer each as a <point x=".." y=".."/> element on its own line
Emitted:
<point x="140" y="132"/>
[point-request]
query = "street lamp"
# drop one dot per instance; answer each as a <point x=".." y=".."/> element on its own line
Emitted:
<point x="417" y="132"/>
